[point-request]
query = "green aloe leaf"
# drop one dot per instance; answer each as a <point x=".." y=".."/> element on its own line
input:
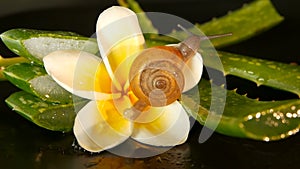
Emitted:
<point x="34" y="79"/>
<point x="263" y="72"/>
<point x="5" y="62"/>
<point x="56" y="117"/>
<point x="244" y="23"/>
<point x="244" y="117"/>
<point x="35" y="44"/>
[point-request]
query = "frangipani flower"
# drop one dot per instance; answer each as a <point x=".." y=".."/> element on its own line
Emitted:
<point x="106" y="121"/>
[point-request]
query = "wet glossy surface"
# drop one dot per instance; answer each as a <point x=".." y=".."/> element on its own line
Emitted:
<point x="24" y="145"/>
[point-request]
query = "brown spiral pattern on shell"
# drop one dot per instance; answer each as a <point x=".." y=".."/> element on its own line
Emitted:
<point x="159" y="80"/>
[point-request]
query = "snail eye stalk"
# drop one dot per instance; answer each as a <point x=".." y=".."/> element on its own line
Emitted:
<point x="191" y="44"/>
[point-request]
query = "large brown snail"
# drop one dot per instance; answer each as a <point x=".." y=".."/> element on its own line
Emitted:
<point x="156" y="76"/>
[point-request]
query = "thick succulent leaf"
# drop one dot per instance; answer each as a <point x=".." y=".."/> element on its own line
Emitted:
<point x="34" y="80"/>
<point x="244" y="117"/>
<point x="5" y="62"/>
<point x="254" y="17"/>
<point x="263" y="72"/>
<point x="243" y="23"/>
<point x="57" y="117"/>
<point x="35" y="44"/>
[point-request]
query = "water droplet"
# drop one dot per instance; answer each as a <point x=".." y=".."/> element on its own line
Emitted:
<point x="250" y="117"/>
<point x="267" y="139"/>
<point x="260" y="79"/>
<point x="234" y="59"/>
<point x="258" y="115"/>
<point x="290" y="133"/>
<point x="250" y="72"/>
<point x="272" y="66"/>
<point x="73" y="144"/>
<point x="289" y="115"/>
<point x="276" y="115"/>
<point x="295" y="115"/>
<point x="293" y="108"/>
<point x="130" y="114"/>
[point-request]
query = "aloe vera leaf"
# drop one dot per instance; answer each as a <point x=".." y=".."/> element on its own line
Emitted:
<point x="56" y="117"/>
<point x="5" y="62"/>
<point x="35" y="44"/>
<point x="244" y="23"/>
<point x="34" y="79"/>
<point x="263" y="72"/>
<point x="244" y="117"/>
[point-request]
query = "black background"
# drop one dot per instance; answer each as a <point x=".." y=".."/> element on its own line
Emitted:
<point x="23" y="145"/>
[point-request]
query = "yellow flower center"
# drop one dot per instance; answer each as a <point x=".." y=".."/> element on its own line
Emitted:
<point x="120" y="59"/>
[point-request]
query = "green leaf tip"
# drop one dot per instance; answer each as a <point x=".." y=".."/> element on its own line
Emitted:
<point x="35" y="44"/>
<point x="51" y="116"/>
<point x="246" y="22"/>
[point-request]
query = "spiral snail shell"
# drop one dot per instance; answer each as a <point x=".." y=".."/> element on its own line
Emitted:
<point x="156" y="76"/>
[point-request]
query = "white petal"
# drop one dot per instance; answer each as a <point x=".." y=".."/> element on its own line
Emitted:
<point x="114" y="25"/>
<point x="170" y="129"/>
<point x="94" y="131"/>
<point x="75" y="71"/>
<point x="193" y="72"/>
<point x="150" y="115"/>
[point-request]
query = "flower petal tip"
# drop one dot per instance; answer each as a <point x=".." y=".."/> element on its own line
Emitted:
<point x="170" y="129"/>
<point x="94" y="131"/>
<point x="114" y="25"/>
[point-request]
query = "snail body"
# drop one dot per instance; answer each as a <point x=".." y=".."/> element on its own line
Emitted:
<point x="156" y="76"/>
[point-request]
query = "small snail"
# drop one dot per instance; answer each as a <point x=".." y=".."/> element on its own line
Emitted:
<point x="156" y="76"/>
